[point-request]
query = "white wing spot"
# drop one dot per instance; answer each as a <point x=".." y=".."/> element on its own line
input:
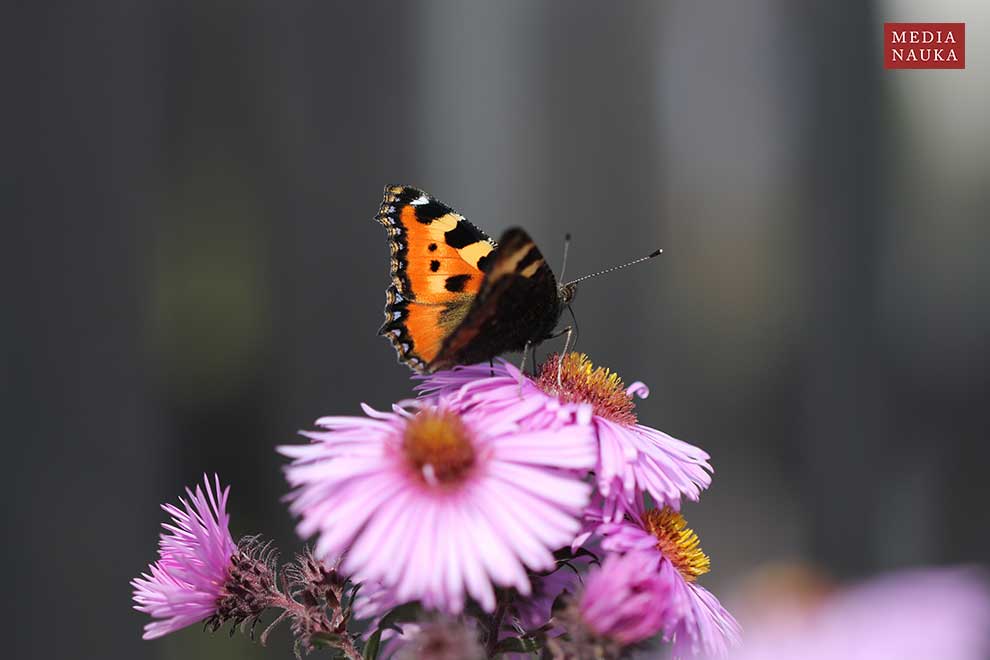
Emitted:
<point x="419" y="201"/>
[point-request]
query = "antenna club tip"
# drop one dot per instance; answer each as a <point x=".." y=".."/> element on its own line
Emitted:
<point x="657" y="253"/>
<point x="567" y="237"/>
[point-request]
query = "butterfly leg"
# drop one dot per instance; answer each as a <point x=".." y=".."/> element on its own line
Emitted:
<point x="560" y="361"/>
<point x="522" y="365"/>
<point x="491" y="368"/>
<point x="525" y="352"/>
<point x="560" y="333"/>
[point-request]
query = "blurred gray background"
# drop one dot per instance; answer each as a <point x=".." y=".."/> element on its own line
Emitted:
<point x="195" y="272"/>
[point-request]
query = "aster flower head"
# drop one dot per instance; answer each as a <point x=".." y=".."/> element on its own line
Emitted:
<point x="438" y="639"/>
<point x="913" y="614"/>
<point x="437" y="502"/>
<point x="623" y="600"/>
<point x="694" y="621"/>
<point x="632" y="458"/>
<point x="184" y="586"/>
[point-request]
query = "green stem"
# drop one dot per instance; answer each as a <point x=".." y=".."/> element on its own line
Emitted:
<point x="496" y="623"/>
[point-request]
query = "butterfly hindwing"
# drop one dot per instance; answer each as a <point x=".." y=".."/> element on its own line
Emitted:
<point x="518" y="303"/>
<point x="437" y="268"/>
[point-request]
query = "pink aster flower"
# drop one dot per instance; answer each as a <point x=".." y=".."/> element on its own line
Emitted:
<point x="436" y="504"/>
<point x="438" y="639"/>
<point x="696" y="622"/>
<point x="632" y="458"/>
<point x="916" y="614"/>
<point x="185" y="584"/>
<point x="626" y="599"/>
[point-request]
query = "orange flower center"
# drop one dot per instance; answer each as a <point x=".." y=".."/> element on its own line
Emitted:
<point x="677" y="542"/>
<point x="580" y="382"/>
<point x="438" y="447"/>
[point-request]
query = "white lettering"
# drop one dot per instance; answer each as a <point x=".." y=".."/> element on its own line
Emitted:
<point x="950" y="38"/>
<point x="898" y="37"/>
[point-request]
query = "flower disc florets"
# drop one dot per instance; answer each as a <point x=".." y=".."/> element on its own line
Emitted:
<point x="439" y="447"/>
<point x="677" y="542"/>
<point x="581" y="382"/>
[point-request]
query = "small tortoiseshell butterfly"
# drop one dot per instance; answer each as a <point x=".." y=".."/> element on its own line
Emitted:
<point x="457" y="297"/>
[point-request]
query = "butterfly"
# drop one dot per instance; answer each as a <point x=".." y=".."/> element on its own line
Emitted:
<point x="457" y="296"/>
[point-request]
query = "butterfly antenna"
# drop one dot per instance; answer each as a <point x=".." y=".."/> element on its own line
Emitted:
<point x="563" y="263"/>
<point x="657" y="253"/>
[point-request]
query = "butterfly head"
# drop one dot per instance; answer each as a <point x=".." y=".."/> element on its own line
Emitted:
<point x="566" y="292"/>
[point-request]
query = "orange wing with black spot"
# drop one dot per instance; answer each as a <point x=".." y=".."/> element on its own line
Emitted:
<point x="438" y="265"/>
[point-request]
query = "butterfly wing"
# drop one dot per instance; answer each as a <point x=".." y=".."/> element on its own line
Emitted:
<point x="517" y="303"/>
<point x="437" y="268"/>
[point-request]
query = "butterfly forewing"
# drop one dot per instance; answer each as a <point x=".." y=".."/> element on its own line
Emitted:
<point x="437" y="265"/>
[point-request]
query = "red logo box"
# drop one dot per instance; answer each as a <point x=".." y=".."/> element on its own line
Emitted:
<point x="924" y="45"/>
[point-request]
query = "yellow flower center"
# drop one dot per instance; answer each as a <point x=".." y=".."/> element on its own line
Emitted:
<point x="677" y="542"/>
<point x="438" y="447"/>
<point x="581" y="382"/>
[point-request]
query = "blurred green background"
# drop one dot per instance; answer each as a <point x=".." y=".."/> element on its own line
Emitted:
<point x="195" y="272"/>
